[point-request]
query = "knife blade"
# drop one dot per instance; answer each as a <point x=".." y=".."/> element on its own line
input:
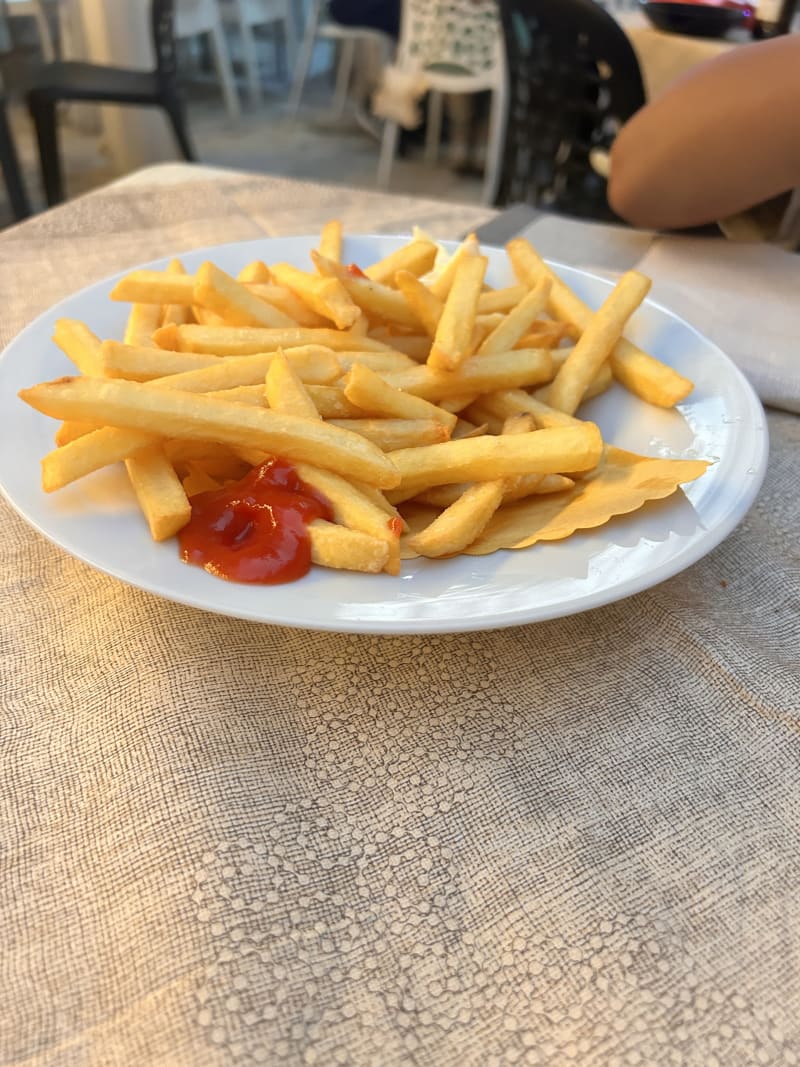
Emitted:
<point x="510" y="222"/>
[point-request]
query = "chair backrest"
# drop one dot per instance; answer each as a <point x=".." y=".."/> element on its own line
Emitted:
<point x="162" y="24"/>
<point x="573" y="80"/>
<point x="460" y="35"/>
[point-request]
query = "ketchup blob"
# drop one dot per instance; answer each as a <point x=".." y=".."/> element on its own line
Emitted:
<point x="256" y="529"/>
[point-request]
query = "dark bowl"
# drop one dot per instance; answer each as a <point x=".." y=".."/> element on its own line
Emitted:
<point x="697" y="20"/>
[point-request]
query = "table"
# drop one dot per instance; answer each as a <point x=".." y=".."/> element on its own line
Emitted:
<point x="575" y="842"/>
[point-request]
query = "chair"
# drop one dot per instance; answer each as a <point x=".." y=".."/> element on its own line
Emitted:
<point x="453" y="48"/>
<point x="58" y="82"/>
<point x="320" y="27"/>
<point x="198" y="18"/>
<point x="248" y="15"/>
<point x="36" y="10"/>
<point x="9" y="163"/>
<point x="574" y="79"/>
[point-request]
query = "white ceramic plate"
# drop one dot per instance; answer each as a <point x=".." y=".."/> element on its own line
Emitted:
<point x="97" y="519"/>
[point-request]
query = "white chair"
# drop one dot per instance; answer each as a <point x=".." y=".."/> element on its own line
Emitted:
<point x="321" y="28"/>
<point x="453" y="47"/>
<point x="248" y="15"/>
<point x="35" y="9"/>
<point x="196" y="18"/>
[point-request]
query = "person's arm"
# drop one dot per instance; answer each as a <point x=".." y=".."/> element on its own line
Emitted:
<point x="722" y="138"/>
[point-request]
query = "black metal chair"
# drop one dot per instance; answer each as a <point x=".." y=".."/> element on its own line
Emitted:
<point x="9" y="163"/>
<point x="57" y="82"/>
<point x="573" y="80"/>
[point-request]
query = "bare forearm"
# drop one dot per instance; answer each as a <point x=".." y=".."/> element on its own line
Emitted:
<point x="723" y="138"/>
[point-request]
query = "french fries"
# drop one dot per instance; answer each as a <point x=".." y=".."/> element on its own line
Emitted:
<point x="405" y="383"/>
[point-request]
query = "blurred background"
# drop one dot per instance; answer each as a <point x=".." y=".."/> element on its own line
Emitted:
<point x="479" y="100"/>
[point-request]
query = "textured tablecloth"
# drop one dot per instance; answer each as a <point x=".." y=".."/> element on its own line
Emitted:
<point x="225" y="843"/>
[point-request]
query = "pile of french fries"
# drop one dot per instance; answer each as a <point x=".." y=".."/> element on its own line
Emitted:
<point x="410" y="382"/>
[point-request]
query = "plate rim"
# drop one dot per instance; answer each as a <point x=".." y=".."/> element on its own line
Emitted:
<point x="529" y="615"/>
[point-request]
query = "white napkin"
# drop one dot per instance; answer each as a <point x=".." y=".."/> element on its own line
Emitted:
<point x="743" y="297"/>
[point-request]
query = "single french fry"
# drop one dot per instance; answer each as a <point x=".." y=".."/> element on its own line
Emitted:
<point x="441" y="283"/>
<point x="424" y="305"/>
<point x="380" y="362"/>
<point x="476" y="459"/>
<point x="90" y="453"/>
<point x="311" y="363"/>
<point x="375" y="300"/>
<point x="71" y="431"/>
<point x="328" y="297"/>
<point x="143" y="321"/>
<point x="154" y="287"/>
<point x="331" y="403"/>
<point x="255" y="273"/>
<point x="233" y="301"/>
<point x="461" y="523"/>
<point x="514" y="325"/>
<point x="501" y="299"/>
<point x="330" y="241"/>
<point x="244" y="341"/>
<point x="596" y="342"/>
<point x="525" y="485"/>
<point x="141" y="364"/>
<point x="506" y="370"/>
<point x="349" y="550"/>
<point x="175" y="413"/>
<point x="453" y="341"/>
<point x="369" y="391"/>
<point x="417" y="257"/>
<point x="354" y="509"/>
<point x="290" y="305"/>
<point x="79" y="344"/>
<point x="642" y="374"/>
<point x="158" y="489"/>
<point x="284" y="390"/>
<point x="391" y="434"/>
<point x="180" y="314"/>
<point x="238" y="394"/>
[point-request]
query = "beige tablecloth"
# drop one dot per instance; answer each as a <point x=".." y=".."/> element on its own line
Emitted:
<point x="225" y="843"/>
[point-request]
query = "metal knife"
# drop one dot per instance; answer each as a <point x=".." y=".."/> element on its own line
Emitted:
<point x="510" y="222"/>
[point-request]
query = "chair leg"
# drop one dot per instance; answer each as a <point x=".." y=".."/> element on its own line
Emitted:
<point x="433" y="133"/>
<point x="344" y="75"/>
<point x="304" y="57"/>
<point x="45" y="34"/>
<point x="10" y="164"/>
<point x="177" y="118"/>
<point x="494" y="148"/>
<point x="391" y="134"/>
<point x="224" y="70"/>
<point x="289" y="40"/>
<point x="250" y="54"/>
<point x="43" y="113"/>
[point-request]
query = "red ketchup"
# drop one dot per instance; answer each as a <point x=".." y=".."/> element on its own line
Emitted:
<point x="256" y="529"/>
<point x="355" y="271"/>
